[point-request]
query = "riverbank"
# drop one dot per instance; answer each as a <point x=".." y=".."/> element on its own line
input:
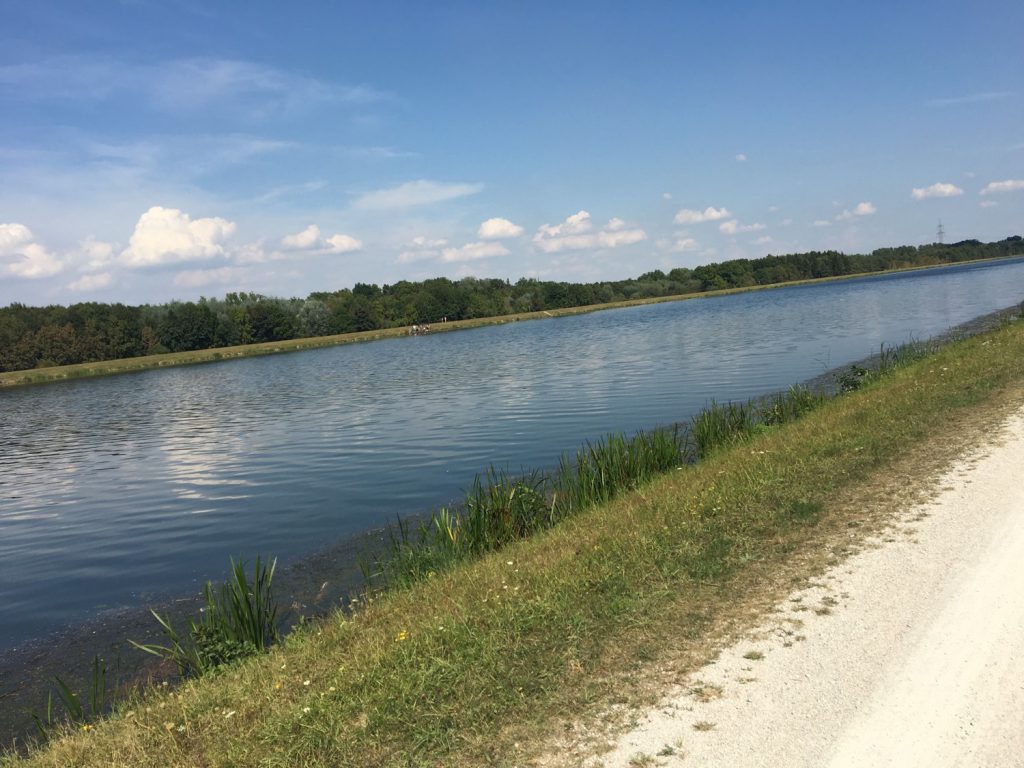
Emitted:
<point x="476" y="665"/>
<point x="909" y="653"/>
<point x="172" y="359"/>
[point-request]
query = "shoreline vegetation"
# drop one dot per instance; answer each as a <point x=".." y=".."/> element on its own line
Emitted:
<point x="56" y="373"/>
<point x="475" y="658"/>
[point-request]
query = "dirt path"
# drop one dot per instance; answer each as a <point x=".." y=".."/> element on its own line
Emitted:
<point x="910" y="653"/>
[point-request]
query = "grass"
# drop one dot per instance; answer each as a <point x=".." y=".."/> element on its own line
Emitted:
<point x="478" y="664"/>
<point x="170" y="359"/>
<point x="500" y="509"/>
<point x="237" y="620"/>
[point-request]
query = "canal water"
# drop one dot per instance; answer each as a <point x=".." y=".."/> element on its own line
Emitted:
<point x="117" y="492"/>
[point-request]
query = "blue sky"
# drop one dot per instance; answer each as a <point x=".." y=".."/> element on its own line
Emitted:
<point x="157" y="150"/>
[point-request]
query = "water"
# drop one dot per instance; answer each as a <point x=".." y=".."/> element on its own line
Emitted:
<point x="117" y="491"/>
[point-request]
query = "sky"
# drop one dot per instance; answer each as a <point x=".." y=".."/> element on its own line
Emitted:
<point x="153" y="150"/>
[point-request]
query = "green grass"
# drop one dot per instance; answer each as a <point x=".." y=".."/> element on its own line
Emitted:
<point x="238" y="619"/>
<point x="470" y="666"/>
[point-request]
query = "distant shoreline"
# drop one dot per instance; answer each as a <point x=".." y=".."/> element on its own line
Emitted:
<point x="216" y="354"/>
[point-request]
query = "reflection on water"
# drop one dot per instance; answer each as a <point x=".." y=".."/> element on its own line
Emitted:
<point x="115" y="490"/>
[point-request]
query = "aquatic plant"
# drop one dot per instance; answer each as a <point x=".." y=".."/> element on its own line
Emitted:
<point x="719" y="426"/>
<point x="238" y="619"/>
<point x="77" y="711"/>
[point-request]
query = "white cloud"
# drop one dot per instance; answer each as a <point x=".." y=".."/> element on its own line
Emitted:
<point x="473" y="251"/>
<point x="229" y="85"/>
<point x="199" y="278"/>
<point x="1010" y="185"/>
<point x="421" y="249"/>
<point x="821" y="223"/>
<point x="498" y="229"/>
<point x="619" y="237"/>
<point x="939" y="189"/>
<point x="688" y="216"/>
<point x="763" y="240"/>
<point x="574" y="234"/>
<point x="577" y="223"/>
<point x="408" y="257"/>
<point x="862" y="209"/>
<point x="988" y="204"/>
<point x="732" y="226"/>
<point x="342" y="244"/>
<point x="414" y="193"/>
<point x="682" y="244"/>
<point x="23" y="256"/>
<point x="303" y="241"/>
<point x="311" y="240"/>
<point x="666" y="195"/>
<point x="91" y="282"/>
<point x="96" y="254"/>
<point x="169" y="236"/>
<point x="741" y="158"/>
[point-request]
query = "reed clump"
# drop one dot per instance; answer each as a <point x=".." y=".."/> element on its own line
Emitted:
<point x="238" y="619"/>
<point x="500" y="508"/>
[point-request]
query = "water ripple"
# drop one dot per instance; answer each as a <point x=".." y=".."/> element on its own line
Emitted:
<point x="111" y="489"/>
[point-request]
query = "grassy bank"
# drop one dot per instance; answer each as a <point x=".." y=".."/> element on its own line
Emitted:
<point x="475" y="665"/>
<point x="127" y="365"/>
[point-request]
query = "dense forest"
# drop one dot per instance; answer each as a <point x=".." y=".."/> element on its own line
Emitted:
<point x="32" y="337"/>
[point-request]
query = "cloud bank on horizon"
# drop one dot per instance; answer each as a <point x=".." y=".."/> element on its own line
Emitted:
<point x="152" y="153"/>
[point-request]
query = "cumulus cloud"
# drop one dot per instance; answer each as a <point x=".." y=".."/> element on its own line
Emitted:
<point x="688" y="216"/>
<point x="821" y="223"/>
<point x="666" y="195"/>
<point x="732" y="227"/>
<point x="170" y="236"/>
<point x="575" y="234"/>
<point x="576" y="224"/>
<point x="311" y="240"/>
<point x="422" y="248"/>
<point x="23" y="256"/>
<point x="473" y="251"/>
<point x="741" y="158"/>
<point x="763" y="240"/>
<point x="1010" y="185"/>
<point x="414" y="193"/>
<point x="939" y="189"/>
<point x="862" y="209"/>
<point x="91" y="282"/>
<point x="94" y="255"/>
<point x="683" y="244"/>
<point x="498" y="229"/>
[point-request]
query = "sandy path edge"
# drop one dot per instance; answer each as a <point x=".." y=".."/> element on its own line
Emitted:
<point x="910" y="653"/>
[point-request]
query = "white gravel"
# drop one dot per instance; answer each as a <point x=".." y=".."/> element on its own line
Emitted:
<point x="910" y="653"/>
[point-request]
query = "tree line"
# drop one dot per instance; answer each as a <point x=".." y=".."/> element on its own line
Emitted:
<point x="32" y="337"/>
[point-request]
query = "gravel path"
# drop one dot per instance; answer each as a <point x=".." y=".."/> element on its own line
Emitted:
<point x="910" y="653"/>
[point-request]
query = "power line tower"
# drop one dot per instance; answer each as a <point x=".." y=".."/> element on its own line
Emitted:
<point x="940" y="233"/>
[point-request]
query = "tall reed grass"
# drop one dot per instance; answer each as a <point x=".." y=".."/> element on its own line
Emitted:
<point x="499" y="508"/>
<point x="238" y="619"/>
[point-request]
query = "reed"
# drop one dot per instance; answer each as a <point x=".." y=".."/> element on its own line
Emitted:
<point x="78" y="710"/>
<point x="720" y="426"/>
<point x="238" y="619"/>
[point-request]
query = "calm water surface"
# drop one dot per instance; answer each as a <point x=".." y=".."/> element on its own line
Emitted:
<point x="117" y="490"/>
